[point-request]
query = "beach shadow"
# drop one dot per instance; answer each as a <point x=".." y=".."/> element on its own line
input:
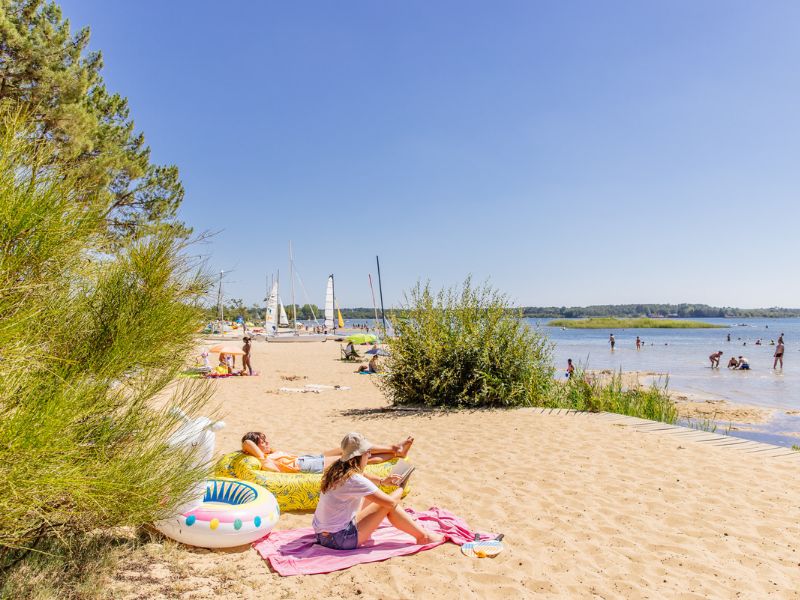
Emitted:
<point x="398" y="412"/>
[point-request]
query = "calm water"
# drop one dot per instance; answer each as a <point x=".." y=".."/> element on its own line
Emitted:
<point x="683" y="355"/>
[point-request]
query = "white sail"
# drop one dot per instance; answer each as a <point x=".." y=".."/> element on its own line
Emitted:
<point x="271" y="321"/>
<point x="329" y="316"/>
<point x="284" y="320"/>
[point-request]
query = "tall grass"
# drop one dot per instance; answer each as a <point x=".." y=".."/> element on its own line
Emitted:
<point x="584" y="393"/>
<point x="88" y="342"/>
<point x="465" y="347"/>
<point x="633" y="323"/>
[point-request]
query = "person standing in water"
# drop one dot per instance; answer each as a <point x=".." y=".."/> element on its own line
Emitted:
<point x="611" y="340"/>
<point x="778" y="353"/>
<point x="638" y="343"/>
<point x="570" y="368"/>
<point x="714" y="358"/>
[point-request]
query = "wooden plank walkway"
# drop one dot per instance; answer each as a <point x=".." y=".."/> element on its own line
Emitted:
<point x="688" y="434"/>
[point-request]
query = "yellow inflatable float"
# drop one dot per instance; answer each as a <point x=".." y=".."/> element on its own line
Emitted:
<point x="294" y="491"/>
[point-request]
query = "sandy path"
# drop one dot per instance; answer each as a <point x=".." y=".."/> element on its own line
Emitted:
<point x="589" y="508"/>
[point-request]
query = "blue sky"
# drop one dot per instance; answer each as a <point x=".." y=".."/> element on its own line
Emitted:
<point x="571" y="152"/>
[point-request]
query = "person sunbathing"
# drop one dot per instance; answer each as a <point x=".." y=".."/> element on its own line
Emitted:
<point x="351" y="507"/>
<point x="255" y="443"/>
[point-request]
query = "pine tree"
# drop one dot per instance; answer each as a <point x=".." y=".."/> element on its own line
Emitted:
<point x="48" y="70"/>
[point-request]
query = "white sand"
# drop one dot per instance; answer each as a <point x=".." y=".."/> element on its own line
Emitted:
<point x="590" y="509"/>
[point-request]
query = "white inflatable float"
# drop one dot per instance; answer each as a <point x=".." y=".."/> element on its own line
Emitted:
<point x="232" y="513"/>
<point x="224" y="512"/>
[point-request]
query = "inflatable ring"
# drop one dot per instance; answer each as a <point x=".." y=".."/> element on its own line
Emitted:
<point x="232" y="513"/>
<point x="294" y="491"/>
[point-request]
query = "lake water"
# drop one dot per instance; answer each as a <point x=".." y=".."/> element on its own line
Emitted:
<point x="682" y="354"/>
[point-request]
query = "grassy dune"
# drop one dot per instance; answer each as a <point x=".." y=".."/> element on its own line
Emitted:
<point x="636" y="323"/>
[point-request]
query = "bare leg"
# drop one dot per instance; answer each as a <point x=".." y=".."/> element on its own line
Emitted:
<point x="370" y="517"/>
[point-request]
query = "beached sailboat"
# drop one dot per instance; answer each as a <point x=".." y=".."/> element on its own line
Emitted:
<point x="275" y="311"/>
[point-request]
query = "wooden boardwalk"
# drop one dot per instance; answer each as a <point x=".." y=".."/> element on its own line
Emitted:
<point x="688" y="434"/>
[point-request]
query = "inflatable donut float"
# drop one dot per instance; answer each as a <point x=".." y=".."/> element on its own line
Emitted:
<point x="293" y="491"/>
<point x="232" y="513"/>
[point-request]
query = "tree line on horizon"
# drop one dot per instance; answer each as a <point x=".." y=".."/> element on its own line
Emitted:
<point x="687" y="311"/>
<point x="235" y="308"/>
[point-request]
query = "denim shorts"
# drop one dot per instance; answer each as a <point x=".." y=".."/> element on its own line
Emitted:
<point x="344" y="539"/>
<point x="311" y="463"/>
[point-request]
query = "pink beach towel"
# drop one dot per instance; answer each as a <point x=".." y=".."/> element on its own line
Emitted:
<point x="296" y="552"/>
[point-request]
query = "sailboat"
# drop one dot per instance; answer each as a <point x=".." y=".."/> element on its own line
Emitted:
<point x="276" y="316"/>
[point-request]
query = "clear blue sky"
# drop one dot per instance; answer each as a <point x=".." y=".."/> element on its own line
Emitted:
<point x="572" y="152"/>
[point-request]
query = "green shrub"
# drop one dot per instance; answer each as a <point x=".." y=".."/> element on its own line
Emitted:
<point x="89" y="343"/>
<point x="465" y="347"/>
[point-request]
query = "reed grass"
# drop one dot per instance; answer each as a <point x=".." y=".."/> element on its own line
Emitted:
<point x="634" y="323"/>
<point x="584" y="393"/>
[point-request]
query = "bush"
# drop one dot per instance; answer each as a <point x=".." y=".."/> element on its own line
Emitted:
<point x="88" y="342"/>
<point x="465" y="347"/>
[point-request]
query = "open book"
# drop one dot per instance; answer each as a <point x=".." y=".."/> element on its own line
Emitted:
<point x="404" y="469"/>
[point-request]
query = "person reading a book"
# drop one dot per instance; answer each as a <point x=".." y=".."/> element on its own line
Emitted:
<point x="351" y="507"/>
<point x="255" y="443"/>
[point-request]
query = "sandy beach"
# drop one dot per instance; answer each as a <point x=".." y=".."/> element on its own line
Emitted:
<point x="591" y="507"/>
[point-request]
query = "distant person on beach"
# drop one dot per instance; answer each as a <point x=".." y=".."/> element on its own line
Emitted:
<point x="733" y="363"/>
<point x="729" y="337"/>
<point x="611" y="340"/>
<point x="714" y="358"/>
<point x="351" y="507"/>
<point x="638" y="343"/>
<point x="780" y="339"/>
<point x="246" y="364"/>
<point x="744" y="365"/>
<point x="570" y="368"/>
<point x="255" y="443"/>
<point x="778" y="354"/>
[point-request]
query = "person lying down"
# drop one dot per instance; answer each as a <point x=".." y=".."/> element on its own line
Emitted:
<point x="255" y="443"/>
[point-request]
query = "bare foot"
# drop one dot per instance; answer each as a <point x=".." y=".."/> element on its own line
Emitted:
<point x="430" y="538"/>
<point x="401" y="449"/>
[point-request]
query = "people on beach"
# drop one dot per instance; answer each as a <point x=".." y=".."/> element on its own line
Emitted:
<point x="744" y="364"/>
<point x="370" y="367"/>
<point x="638" y="343"/>
<point x="246" y="364"/>
<point x="226" y="361"/>
<point x="778" y="354"/>
<point x="714" y="358"/>
<point x="351" y="507"/>
<point x="255" y="443"/>
<point x="570" y="368"/>
<point x="611" y="340"/>
<point x="733" y="363"/>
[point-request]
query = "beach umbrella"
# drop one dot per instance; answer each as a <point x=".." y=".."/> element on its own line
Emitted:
<point x="226" y="349"/>
<point x="362" y="338"/>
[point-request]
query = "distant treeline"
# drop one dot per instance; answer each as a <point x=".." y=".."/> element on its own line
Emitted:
<point x="688" y="311"/>
<point x="255" y="313"/>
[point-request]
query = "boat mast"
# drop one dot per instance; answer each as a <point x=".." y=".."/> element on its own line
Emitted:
<point x="291" y="274"/>
<point x="380" y="291"/>
<point x="220" y="309"/>
<point x="333" y="312"/>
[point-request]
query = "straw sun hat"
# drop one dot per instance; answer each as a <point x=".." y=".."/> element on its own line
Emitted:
<point x="354" y="444"/>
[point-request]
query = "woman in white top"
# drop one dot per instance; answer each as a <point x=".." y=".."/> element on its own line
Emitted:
<point x="351" y="507"/>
